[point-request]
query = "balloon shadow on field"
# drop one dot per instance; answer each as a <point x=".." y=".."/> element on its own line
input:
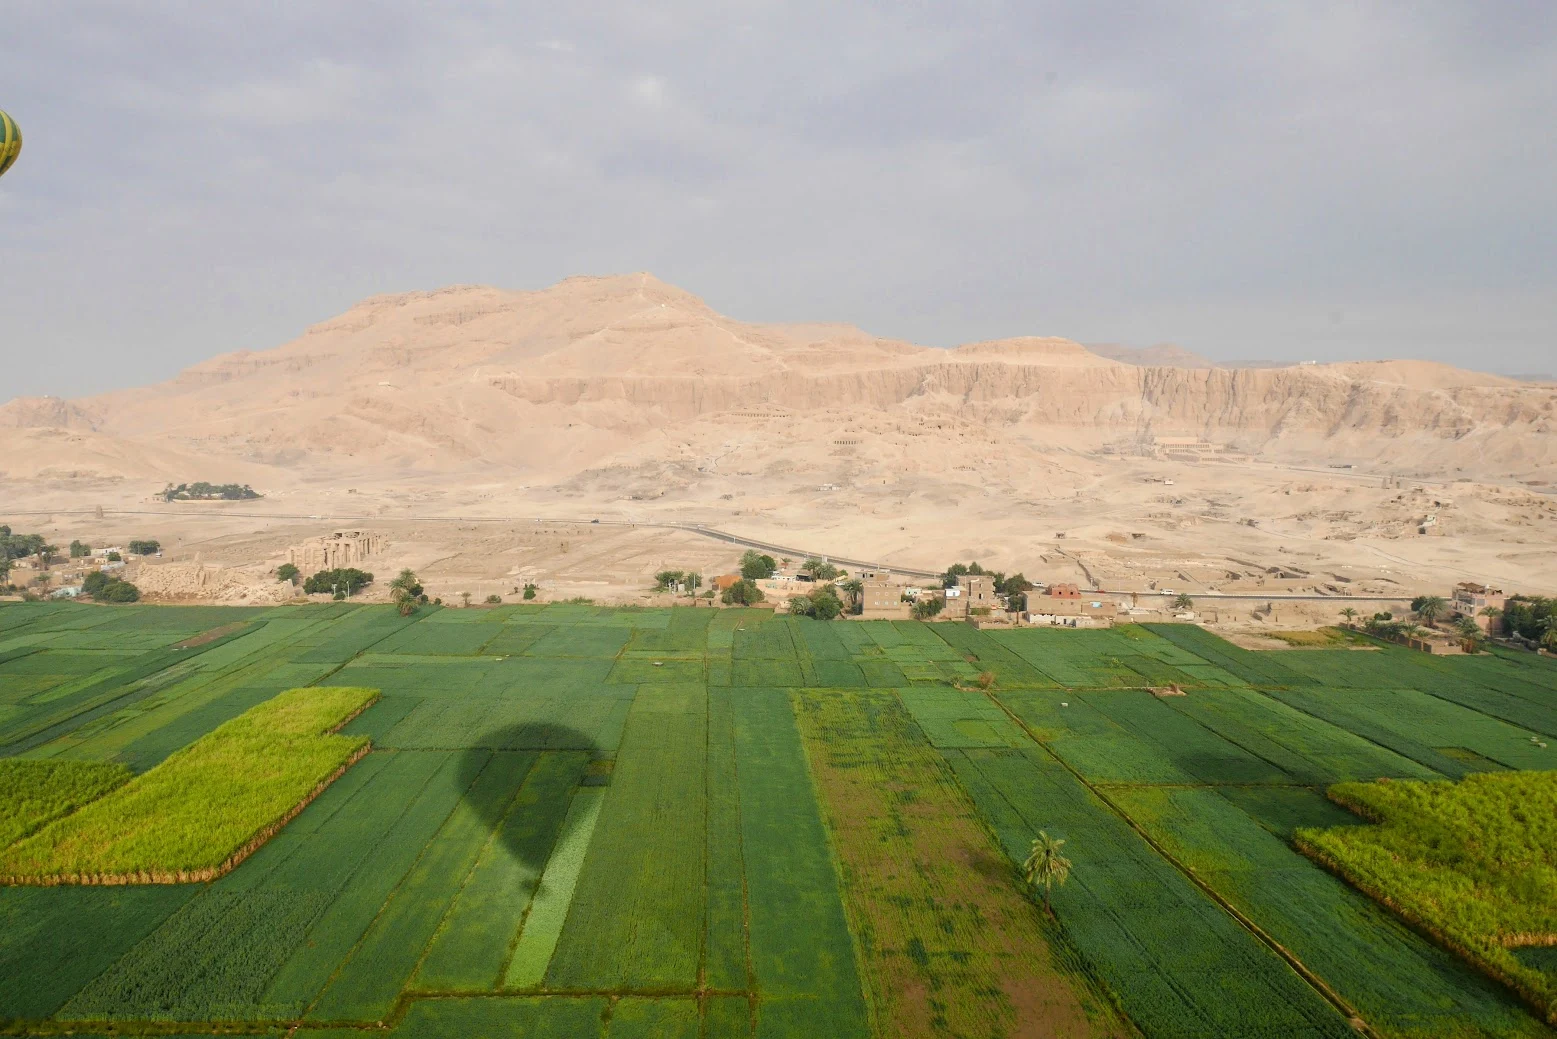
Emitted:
<point x="496" y="750"/>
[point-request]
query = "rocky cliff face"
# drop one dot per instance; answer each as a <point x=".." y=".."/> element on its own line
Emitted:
<point x="570" y="376"/>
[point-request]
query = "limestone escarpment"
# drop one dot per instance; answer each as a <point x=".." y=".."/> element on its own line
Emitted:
<point x="572" y="376"/>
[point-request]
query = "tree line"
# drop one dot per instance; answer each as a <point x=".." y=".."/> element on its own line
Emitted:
<point x="202" y="491"/>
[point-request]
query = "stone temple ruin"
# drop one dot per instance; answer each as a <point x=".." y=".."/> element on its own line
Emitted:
<point x="330" y="551"/>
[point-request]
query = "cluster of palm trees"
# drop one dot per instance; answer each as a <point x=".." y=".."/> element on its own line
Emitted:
<point x="1428" y="609"/>
<point x="405" y="591"/>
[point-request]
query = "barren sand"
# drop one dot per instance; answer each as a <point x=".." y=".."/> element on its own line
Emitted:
<point x="453" y="419"/>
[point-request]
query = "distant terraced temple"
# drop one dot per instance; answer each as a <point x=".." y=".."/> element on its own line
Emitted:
<point x="338" y="549"/>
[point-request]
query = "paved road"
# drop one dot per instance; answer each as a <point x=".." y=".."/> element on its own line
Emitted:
<point x="708" y="532"/>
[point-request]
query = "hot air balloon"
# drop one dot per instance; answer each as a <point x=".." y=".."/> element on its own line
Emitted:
<point x="10" y="142"/>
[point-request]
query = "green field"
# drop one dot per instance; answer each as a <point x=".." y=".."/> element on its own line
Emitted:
<point x="578" y="821"/>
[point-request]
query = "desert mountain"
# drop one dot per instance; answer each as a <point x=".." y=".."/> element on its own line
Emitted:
<point x="1163" y="355"/>
<point x="599" y="373"/>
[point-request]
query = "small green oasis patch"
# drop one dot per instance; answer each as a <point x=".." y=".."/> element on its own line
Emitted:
<point x="205" y="807"/>
<point x="1324" y="638"/>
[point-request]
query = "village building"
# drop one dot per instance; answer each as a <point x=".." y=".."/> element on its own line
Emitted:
<point x="1064" y="606"/>
<point x="978" y="593"/>
<point x="1469" y="599"/>
<point x="343" y="548"/>
<point x="1071" y="613"/>
<point x="971" y="592"/>
<point x="880" y="599"/>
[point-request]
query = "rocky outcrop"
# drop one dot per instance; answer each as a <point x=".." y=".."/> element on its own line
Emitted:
<point x="46" y="412"/>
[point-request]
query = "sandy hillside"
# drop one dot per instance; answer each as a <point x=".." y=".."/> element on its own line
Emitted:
<point x="626" y="398"/>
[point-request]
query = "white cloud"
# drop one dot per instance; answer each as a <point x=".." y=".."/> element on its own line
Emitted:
<point x="649" y="91"/>
<point x="318" y="91"/>
<point x="202" y="178"/>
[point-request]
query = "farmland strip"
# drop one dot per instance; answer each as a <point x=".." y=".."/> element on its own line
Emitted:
<point x="549" y="908"/>
<point x="1400" y="982"/>
<point x="472" y="944"/>
<point x="630" y="928"/>
<point x="376" y="847"/>
<point x="370" y="981"/>
<point x="801" y="949"/>
<point x="948" y="943"/>
<point x="726" y="960"/>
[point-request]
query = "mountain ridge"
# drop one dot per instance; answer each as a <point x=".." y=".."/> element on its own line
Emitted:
<point x="567" y="378"/>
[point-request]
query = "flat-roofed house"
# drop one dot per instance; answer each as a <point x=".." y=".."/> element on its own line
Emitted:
<point x="880" y="599"/>
<point x="1470" y="598"/>
<point x="1062" y="611"/>
<point x="978" y="592"/>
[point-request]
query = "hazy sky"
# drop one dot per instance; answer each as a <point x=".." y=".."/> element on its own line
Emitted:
<point x="1309" y="179"/>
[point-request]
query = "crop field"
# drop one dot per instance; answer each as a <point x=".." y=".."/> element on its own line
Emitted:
<point x="563" y="820"/>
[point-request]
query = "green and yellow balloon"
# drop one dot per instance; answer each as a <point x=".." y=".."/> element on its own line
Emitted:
<point x="10" y="142"/>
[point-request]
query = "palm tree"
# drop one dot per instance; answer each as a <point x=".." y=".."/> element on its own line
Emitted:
<point x="1045" y="865"/>
<point x="1493" y="615"/>
<point x="855" y="587"/>
<point x="1349" y="615"/>
<point x="1431" y="607"/>
<point x="1182" y="601"/>
<point x="1468" y="629"/>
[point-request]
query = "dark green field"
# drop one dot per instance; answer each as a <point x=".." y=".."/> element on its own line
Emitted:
<point x="577" y="821"/>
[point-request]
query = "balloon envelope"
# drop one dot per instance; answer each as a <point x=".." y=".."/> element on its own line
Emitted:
<point x="10" y="142"/>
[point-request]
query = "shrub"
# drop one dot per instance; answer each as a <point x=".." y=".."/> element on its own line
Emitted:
<point x="104" y="588"/>
<point x="287" y="572"/>
<point x="742" y="593"/>
<point x="755" y="566"/>
<point x="346" y="579"/>
<point x="822" y="603"/>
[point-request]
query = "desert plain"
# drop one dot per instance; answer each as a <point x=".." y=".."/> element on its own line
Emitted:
<point x="484" y="433"/>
